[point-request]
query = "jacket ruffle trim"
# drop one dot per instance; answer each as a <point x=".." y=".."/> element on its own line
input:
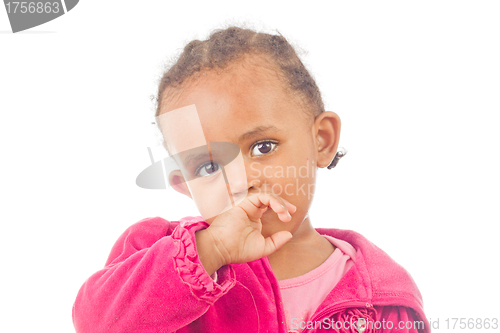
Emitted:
<point x="190" y="268"/>
<point x="356" y="320"/>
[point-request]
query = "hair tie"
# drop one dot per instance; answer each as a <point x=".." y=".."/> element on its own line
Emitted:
<point x="340" y="153"/>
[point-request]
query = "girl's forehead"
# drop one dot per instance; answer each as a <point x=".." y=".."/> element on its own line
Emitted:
<point x="226" y="106"/>
<point x="182" y="129"/>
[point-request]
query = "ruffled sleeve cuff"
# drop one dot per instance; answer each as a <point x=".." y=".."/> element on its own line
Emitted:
<point x="191" y="270"/>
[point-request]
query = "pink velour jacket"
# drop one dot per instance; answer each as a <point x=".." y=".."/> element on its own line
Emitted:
<point x="153" y="281"/>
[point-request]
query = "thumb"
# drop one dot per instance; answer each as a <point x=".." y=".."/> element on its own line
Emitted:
<point x="275" y="241"/>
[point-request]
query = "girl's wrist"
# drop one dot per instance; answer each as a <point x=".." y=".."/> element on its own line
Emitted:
<point x="208" y="252"/>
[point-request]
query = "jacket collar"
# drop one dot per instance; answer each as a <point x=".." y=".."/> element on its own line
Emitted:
<point x="375" y="277"/>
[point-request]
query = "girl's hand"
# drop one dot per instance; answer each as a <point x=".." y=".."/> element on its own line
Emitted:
<point x="235" y="235"/>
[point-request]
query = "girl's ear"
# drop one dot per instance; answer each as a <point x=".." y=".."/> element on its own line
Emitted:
<point x="177" y="181"/>
<point x="327" y="133"/>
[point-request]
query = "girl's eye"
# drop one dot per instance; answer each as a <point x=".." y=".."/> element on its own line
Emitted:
<point x="263" y="147"/>
<point x="207" y="169"/>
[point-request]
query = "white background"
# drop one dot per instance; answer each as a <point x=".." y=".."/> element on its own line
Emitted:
<point x="416" y="85"/>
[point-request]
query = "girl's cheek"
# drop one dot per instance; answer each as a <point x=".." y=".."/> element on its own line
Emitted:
<point x="210" y="195"/>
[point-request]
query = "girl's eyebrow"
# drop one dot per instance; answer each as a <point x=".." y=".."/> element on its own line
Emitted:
<point x="195" y="158"/>
<point x="257" y="131"/>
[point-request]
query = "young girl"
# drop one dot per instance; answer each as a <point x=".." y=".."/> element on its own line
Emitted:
<point x="246" y="125"/>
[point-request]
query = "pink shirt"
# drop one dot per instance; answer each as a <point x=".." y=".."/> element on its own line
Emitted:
<point x="302" y="295"/>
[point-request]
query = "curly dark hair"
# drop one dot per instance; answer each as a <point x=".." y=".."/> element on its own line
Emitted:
<point x="224" y="47"/>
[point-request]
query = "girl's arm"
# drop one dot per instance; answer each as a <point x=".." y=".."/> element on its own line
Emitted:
<point x="153" y="281"/>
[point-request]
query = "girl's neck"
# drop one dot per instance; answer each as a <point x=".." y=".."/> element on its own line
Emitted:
<point x="303" y="253"/>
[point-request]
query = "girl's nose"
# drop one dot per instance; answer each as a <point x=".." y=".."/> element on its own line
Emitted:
<point x="254" y="184"/>
<point x="236" y="176"/>
<point x="240" y="178"/>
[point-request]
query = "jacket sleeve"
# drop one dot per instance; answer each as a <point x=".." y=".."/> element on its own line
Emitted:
<point x="153" y="281"/>
<point x="400" y="319"/>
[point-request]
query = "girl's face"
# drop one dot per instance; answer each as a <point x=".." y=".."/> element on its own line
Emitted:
<point x="278" y="140"/>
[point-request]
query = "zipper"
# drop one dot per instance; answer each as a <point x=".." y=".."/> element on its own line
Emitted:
<point x="326" y="312"/>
